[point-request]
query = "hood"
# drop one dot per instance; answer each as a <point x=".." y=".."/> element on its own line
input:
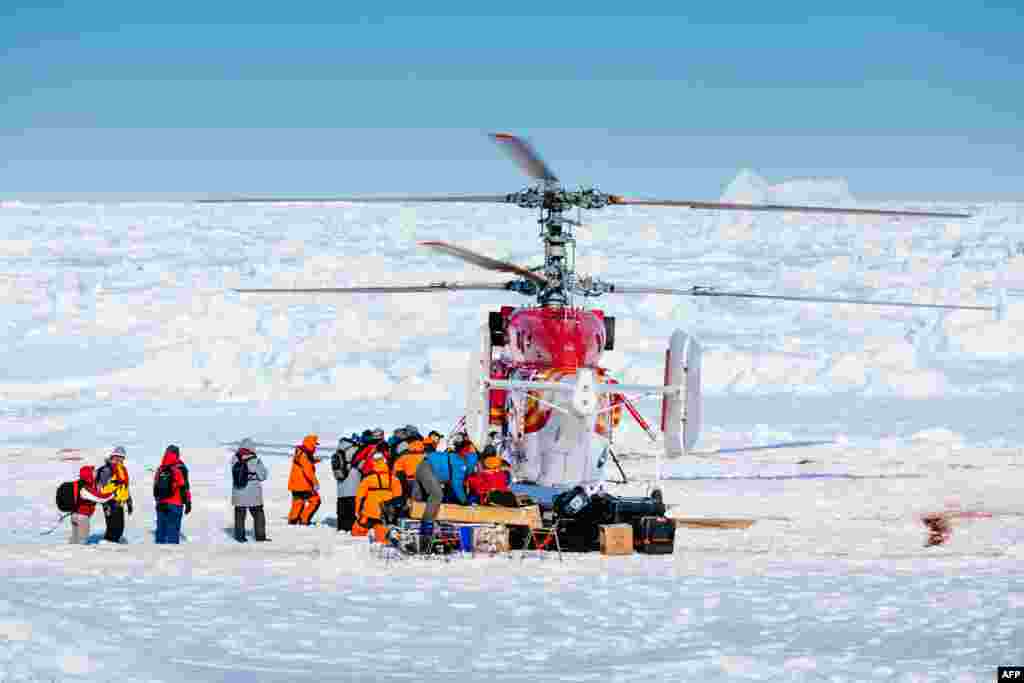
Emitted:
<point x="87" y="474"/>
<point x="170" y="458"/>
<point x="380" y="465"/>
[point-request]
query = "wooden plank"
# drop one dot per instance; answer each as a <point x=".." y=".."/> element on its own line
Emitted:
<point x="713" y="522"/>
<point x="483" y="514"/>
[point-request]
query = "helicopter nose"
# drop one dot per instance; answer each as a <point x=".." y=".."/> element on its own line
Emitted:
<point x="584" y="398"/>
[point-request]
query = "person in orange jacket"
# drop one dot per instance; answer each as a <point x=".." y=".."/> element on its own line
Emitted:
<point x="302" y="482"/>
<point x="375" y="489"/>
<point x="411" y="454"/>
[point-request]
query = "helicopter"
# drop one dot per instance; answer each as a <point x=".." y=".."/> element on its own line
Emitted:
<point x="535" y="386"/>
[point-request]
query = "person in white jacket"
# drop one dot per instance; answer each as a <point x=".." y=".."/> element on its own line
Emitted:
<point x="252" y="472"/>
<point x="348" y="478"/>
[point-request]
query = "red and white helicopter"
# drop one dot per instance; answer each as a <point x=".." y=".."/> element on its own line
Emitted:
<point x="535" y="383"/>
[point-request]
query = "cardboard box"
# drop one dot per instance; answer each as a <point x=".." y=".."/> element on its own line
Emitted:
<point x="482" y="514"/>
<point x="616" y="539"/>
<point x="491" y="539"/>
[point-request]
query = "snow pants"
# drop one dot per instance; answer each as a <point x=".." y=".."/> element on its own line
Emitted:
<point x="114" y="512"/>
<point x="259" y="522"/>
<point x="304" y="506"/>
<point x="79" y="528"/>
<point x="346" y="513"/>
<point x="168" y="522"/>
<point x="428" y="488"/>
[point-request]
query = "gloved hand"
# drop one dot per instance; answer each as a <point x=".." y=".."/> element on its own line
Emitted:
<point x="188" y="507"/>
<point x="128" y="504"/>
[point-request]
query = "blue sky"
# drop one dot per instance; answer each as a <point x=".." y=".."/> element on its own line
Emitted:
<point x="907" y="100"/>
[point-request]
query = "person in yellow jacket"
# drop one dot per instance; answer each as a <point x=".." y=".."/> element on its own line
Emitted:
<point x="375" y="489"/>
<point x="303" y="483"/>
<point x="411" y="454"/>
<point x="112" y="478"/>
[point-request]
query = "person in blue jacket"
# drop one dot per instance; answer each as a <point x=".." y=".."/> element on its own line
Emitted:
<point x="451" y="468"/>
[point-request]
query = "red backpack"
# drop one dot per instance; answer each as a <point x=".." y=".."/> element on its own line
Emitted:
<point x="363" y="460"/>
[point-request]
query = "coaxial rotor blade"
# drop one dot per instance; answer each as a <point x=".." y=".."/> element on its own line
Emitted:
<point x="486" y="261"/>
<point x="708" y="291"/>
<point x="449" y="199"/>
<point x="730" y="206"/>
<point x="386" y="289"/>
<point x="524" y="155"/>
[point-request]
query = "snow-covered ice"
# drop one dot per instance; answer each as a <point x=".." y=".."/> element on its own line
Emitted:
<point x="834" y="427"/>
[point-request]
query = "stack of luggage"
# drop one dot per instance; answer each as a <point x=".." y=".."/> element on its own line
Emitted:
<point x="580" y="515"/>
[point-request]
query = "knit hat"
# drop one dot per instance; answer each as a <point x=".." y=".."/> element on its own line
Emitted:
<point x="118" y="452"/>
<point x="492" y="462"/>
<point x="246" y="447"/>
<point x="172" y="449"/>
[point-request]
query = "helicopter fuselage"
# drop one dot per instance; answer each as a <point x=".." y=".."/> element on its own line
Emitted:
<point x="549" y="443"/>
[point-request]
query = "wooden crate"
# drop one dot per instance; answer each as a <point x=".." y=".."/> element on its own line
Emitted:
<point x="616" y="539"/>
<point x="483" y="514"/>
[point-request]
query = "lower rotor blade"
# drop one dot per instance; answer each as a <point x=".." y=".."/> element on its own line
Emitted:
<point x="707" y="291"/>
<point x="395" y="289"/>
<point x="729" y="206"/>
<point x="449" y="199"/>
<point x="524" y="155"/>
<point x="485" y="261"/>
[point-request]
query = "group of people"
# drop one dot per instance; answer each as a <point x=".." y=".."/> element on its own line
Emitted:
<point x="371" y="472"/>
<point x="108" y="486"/>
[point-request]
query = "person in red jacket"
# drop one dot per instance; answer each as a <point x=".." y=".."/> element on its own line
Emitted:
<point x="492" y="474"/>
<point x="173" y="496"/>
<point x="88" y="495"/>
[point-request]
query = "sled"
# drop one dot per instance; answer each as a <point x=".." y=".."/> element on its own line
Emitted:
<point x="482" y="514"/>
<point x="713" y="522"/>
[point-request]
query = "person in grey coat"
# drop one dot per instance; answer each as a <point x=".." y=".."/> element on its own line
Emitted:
<point x="348" y="477"/>
<point x="248" y="468"/>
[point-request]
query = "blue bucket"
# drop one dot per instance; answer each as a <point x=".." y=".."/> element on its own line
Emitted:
<point x="466" y="539"/>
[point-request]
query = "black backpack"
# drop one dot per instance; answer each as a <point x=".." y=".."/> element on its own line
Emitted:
<point x="340" y="466"/>
<point x="572" y="503"/>
<point x="67" y="496"/>
<point x="163" y="485"/>
<point x="240" y="474"/>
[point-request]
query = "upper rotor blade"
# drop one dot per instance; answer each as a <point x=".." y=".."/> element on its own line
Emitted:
<point x="707" y="291"/>
<point x="486" y="261"/>
<point x="524" y="155"/>
<point x="729" y="206"/>
<point x="387" y="289"/>
<point x="468" y="199"/>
